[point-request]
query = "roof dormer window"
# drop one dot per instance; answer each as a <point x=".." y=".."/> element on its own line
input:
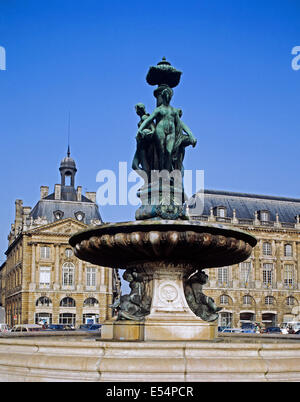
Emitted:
<point x="221" y="211"/>
<point x="58" y="215"/>
<point x="79" y="216"/>
<point x="264" y="216"/>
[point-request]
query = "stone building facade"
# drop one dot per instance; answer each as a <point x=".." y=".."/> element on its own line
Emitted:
<point x="266" y="287"/>
<point x="41" y="279"/>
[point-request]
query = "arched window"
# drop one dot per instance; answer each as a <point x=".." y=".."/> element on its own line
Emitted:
<point x="288" y="250"/>
<point x="67" y="302"/>
<point x="68" y="274"/>
<point x="43" y="302"/>
<point x="91" y="302"/>
<point x="224" y="299"/>
<point x="290" y="301"/>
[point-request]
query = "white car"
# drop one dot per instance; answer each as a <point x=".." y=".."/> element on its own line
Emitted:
<point x="232" y="330"/>
<point x="4" y="328"/>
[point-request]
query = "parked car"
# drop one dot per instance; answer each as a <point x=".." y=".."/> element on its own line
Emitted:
<point x="95" y="328"/>
<point x="272" y="330"/>
<point x="92" y="328"/>
<point x="60" y="327"/>
<point x="221" y="329"/>
<point x="4" y="328"/>
<point x="55" y="327"/>
<point x="84" y="327"/>
<point x="26" y="328"/>
<point x="232" y="330"/>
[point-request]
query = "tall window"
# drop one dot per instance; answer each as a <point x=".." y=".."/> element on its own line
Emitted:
<point x="288" y="250"/>
<point x="45" y="252"/>
<point x="90" y="276"/>
<point x="223" y="276"/>
<point x="68" y="274"/>
<point x="68" y="252"/>
<point x="288" y="275"/>
<point x="245" y="271"/>
<point x="45" y="274"/>
<point x="267" y="274"/>
<point x="247" y="300"/>
<point x="267" y="248"/>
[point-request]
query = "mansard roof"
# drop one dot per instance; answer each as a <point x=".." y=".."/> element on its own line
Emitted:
<point x="246" y="205"/>
<point x="46" y="208"/>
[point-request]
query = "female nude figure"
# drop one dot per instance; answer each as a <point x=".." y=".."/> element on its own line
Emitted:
<point x="167" y="120"/>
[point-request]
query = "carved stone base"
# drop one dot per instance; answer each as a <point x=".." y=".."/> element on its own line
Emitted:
<point x="170" y="317"/>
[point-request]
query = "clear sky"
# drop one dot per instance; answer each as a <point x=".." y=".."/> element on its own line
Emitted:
<point x="238" y="92"/>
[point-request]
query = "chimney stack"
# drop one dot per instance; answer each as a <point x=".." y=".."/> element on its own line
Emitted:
<point x="44" y="191"/>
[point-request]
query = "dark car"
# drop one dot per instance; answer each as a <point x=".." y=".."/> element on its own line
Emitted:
<point x="272" y="330"/>
<point x="94" y="328"/>
<point x="60" y="327"/>
<point x="84" y="327"/>
<point x="55" y="327"/>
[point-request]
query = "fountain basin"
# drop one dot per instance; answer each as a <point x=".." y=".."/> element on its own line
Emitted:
<point x="166" y="253"/>
<point x="192" y="243"/>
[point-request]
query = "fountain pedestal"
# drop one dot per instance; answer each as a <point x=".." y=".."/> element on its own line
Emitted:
<point x="170" y="316"/>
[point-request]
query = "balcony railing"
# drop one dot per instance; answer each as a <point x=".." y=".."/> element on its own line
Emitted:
<point x="225" y="284"/>
<point x="247" y="285"/>
<point x="244" y="221"/>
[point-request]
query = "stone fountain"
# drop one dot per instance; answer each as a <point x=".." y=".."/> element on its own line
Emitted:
<point x="167" y="315"/>
<point x="163" y="252"/>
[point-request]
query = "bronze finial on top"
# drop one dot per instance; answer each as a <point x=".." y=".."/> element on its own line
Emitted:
<point x="163" y="74"/>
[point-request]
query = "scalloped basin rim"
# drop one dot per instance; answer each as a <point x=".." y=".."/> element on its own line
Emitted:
<point x="162" y="225"/>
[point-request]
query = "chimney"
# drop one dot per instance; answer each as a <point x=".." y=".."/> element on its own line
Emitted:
<point x="44" y="191"/>
<point x="18" y="216"/>
<point x="79" y="192"/>
<point x="26" y="212"/>
<point x="57" y="192"/>
<point x="91" y="196"/>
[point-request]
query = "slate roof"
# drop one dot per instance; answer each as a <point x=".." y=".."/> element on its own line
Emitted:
<point x="46" y="207"/>
<point x="246" y="205"/>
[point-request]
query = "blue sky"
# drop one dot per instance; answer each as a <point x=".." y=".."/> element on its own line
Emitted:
<point x="238" y="92"/>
